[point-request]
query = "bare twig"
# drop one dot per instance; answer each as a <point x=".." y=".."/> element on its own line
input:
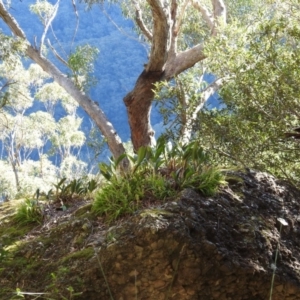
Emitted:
<point x="56" y="54"/>
<point x="182" y="251"/>
<point x="6" y="84"/>
<point x="103" y="274"/>
<point x="118" y="27"/>
<point x="77" y="22"/>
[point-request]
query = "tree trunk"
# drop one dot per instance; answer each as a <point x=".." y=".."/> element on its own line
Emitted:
<point x="164" y="63"/>
<point x="138" y="103"/>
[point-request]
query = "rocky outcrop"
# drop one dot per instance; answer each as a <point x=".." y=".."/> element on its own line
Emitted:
<point x="192" y="247"/>
<point x="206" y="248"/>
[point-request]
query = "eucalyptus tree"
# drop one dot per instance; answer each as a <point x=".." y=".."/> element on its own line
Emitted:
<point x="21" y="132"/>
<point x="175" y="46"/>
<point x="172" y="51"/>
<point x="15" y="133"/>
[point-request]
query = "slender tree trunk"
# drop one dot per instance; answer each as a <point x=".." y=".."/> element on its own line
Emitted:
<point x="16" y="175"/>
<point x="14" y="162"/>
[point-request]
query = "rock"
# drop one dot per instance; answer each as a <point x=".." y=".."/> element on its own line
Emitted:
<point x="193" y="247"/>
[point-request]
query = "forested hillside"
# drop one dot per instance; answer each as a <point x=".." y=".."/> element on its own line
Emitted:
<point x="116" y="66"/>
<point x="119" y="61"/>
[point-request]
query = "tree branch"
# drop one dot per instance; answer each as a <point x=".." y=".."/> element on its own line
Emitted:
<point x="207" y="16"/>
<point x="140" y="22"/>
<point x="188" y="58"/>
<point x="48" y="23"/>
<point x="77" y="23"/>
<point x="219" y="14"/>
<point x="56" y="54"/>
<point x="180" y="16"/>
<point x="209" y="91"/>
<point x="173" y="31"/>
<point x="160" y="35"/>
<point x="183" y="61"/>
<point x="186" y="130"/>
<point x="6" y="84"/>
<point x="11" y="22"/>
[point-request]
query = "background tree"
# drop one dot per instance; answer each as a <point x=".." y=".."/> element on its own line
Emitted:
<point x="26" y="135"/>
<point x="178" y="32"/>
<point x="47" y="13"/>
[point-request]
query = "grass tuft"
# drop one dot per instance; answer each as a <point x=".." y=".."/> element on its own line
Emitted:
<point x="29" y="211"/>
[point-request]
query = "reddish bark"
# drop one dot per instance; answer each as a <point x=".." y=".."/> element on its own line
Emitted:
<point x="138" y="103"/>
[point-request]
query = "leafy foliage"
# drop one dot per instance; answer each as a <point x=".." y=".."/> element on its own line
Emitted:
<point x="55" y="288"/>
<point x="74" y="189"/>
<point x="124" y="196"/>
<point x="32" y="210"/>
<point x="261" y="100"/>
<point x="44" y="10"/>
<point x="156" y="174"/>
<point x="81" y="64"/>
<point x="11" y="49"/>
<point x="178" y="100"/>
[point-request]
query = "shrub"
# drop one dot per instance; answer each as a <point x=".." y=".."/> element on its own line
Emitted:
<point x="156" y="174"/>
